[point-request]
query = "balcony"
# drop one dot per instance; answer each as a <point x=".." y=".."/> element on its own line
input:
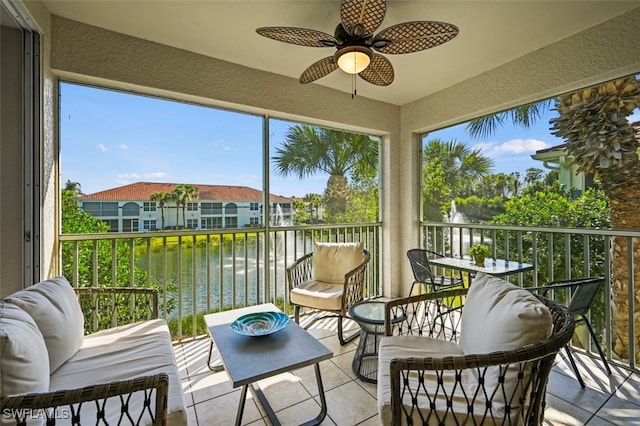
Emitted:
<point x="212" y="400"/>
<point x="208" y="271"/>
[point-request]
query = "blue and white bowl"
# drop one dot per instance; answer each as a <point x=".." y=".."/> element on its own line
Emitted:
<point x="260" y="323"/>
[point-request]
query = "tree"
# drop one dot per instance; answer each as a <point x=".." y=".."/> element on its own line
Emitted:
<point x="314" y="201"/>
<point x="162" y="198"/>
<point x="181" y="195"/>
<point x="601" y="141"/>
<point x="449" y="169"/>
<point x="308" y="150"/>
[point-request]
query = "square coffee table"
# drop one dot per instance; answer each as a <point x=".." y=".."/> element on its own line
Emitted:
<point x="248" y="359"/>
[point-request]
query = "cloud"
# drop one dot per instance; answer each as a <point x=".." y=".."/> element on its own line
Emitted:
<point x="634" y="117"/>
<point x="144" y="176"/>
<point x="520" y="146"/>
<point x="102" y="148"/>
<point x="227" y="148"/>
<point x="124" y="147"/>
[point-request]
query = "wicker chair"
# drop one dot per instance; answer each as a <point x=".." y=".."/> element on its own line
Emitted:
<point x="307" y="291"/>
<point x="102" y="308"/>
<point x="499" y="387"/>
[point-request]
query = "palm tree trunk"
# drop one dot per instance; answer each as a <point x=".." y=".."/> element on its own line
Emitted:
<point x="336" y="192"/>
<point x="623" y="202"/>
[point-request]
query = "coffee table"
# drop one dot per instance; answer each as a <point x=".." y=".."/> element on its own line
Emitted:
<point x="248" y="359"/>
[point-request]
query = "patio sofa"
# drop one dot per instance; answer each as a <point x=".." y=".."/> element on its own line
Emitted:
<point x="51" y="372"/>
<point x="480" y="355"/>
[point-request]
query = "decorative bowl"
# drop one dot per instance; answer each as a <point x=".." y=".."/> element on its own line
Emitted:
<point x="260" y="323"/>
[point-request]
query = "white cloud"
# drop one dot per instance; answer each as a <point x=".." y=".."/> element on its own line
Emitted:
<point x="519" y="146"/>
<point x="228" y="148"/>
<point x="144" y="176"/>
<point x="634" y="117"/>
<point x="102" y="148"/>
<point x="124" y="147"/>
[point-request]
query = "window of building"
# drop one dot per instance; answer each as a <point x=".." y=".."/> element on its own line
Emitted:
<point x="100" y="208"/>
<point x="210" y="208"/>
<point x="230" y="208"/>
<point x="131" y="209"/>
<point x="192" y="223"/>
<point x="254" y="207"/>
<point x="113" y="224"/>
<point x="231" y="222"/>
<point x="254" y="221"/>
<point x="149" y="225"/>
<point x="192" y="207"/>
<point x="130" y="225"/>
<point x="211" y="222"/>
<point x="149" y="206"/>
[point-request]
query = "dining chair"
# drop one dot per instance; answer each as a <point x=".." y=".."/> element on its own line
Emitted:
<point x="423" y="274"/>
<point x="584" y="292"/>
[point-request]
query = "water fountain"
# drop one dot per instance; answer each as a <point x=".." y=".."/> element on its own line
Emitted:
<point x="460" y="238"/>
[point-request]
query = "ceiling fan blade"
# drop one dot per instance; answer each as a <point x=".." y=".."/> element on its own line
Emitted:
<point x="299" y="36"/>
<point x="379" y="72"/>
<point x="413" y="36"/>
<point x="318" y="70"/>
<point x="362" y="17"/>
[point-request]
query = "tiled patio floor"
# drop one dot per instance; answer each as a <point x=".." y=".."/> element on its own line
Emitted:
<point x="211" y="400"/>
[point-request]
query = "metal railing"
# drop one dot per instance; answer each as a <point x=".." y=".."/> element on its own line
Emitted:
<point x="204" y="271"/>
<point x="559" y="253"/>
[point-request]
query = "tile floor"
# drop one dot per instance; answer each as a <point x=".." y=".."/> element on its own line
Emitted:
<point x="211" y="400"/>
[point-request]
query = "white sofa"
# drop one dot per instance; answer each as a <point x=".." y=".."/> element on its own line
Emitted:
<point x="46" y="361"/>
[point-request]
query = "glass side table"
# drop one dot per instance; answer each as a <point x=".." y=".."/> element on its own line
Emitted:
<point x="369" y="314"/>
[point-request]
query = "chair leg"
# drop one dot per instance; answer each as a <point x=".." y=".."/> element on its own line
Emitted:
<point x="595" y="340"/>
<point x="575" y="367"/>
<point x="297" y="314"/>
<point x="343" y="340"/>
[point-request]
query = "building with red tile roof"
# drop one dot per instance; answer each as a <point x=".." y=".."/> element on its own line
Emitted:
<point x="129" y="208"/>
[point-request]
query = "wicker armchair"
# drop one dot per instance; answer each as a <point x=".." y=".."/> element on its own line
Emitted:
<point x="307" y="291"/>
<point x="96" y="404"/>
<point x="433" y="384"/>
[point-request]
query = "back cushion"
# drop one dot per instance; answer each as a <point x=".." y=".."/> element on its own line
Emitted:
<point x="331" y="261"/>
<point x="54" y="307"/>
<point x="499" y="316"/>
<point x="24" y="362"/>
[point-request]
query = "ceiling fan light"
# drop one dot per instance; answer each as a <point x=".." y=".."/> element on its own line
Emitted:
<point x="353" y="59"/>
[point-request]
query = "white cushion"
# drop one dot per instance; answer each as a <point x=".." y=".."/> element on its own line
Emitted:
<point x="499" y="316"/>
<point x="439" y="388"/>
<point x="332" y="261"/>
<point x="121" y="353"/>
<point x="319" y="295"/>
<point x="24" y="362"/>
<point x="54" y="307"/>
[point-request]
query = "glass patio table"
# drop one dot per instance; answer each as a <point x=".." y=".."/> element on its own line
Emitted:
<point x="495" y="267"/>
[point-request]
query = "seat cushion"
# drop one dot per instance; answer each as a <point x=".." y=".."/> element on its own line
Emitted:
<point x="54" y="307"/>
<point x="332" y="261"/>
<point x="24" y="361"/>
<point x="434" y="391"/>
<point x="121" y="353"/>
<point x="319" y="295"/>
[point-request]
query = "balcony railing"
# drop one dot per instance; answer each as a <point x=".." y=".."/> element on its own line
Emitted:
<point x="198" y="272"/>
<point x="559" y="253"/>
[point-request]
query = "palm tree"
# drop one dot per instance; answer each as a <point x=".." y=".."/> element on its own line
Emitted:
<point x="308" y="150"/>
<point x="314" y="201"/>
<point x="601" y="141"/>
<point x="161" y="198"/>
<point x="449" y="168"/>
<point x="183" y="194"/>
<point x="74" y="187"/>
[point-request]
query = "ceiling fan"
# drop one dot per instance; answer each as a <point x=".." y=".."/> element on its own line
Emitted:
<point x="355" y="42"/>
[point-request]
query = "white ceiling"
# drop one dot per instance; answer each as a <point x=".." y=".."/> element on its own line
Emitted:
<point x="491" y="34"/>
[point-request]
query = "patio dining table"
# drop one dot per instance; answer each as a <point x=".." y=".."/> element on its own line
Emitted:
<point x="495" y="267"/>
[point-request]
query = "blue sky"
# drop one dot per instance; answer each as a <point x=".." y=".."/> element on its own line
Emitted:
<point x="109" y="139"/>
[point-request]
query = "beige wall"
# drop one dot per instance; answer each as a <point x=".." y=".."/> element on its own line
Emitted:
<point x="91" y="55"/>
